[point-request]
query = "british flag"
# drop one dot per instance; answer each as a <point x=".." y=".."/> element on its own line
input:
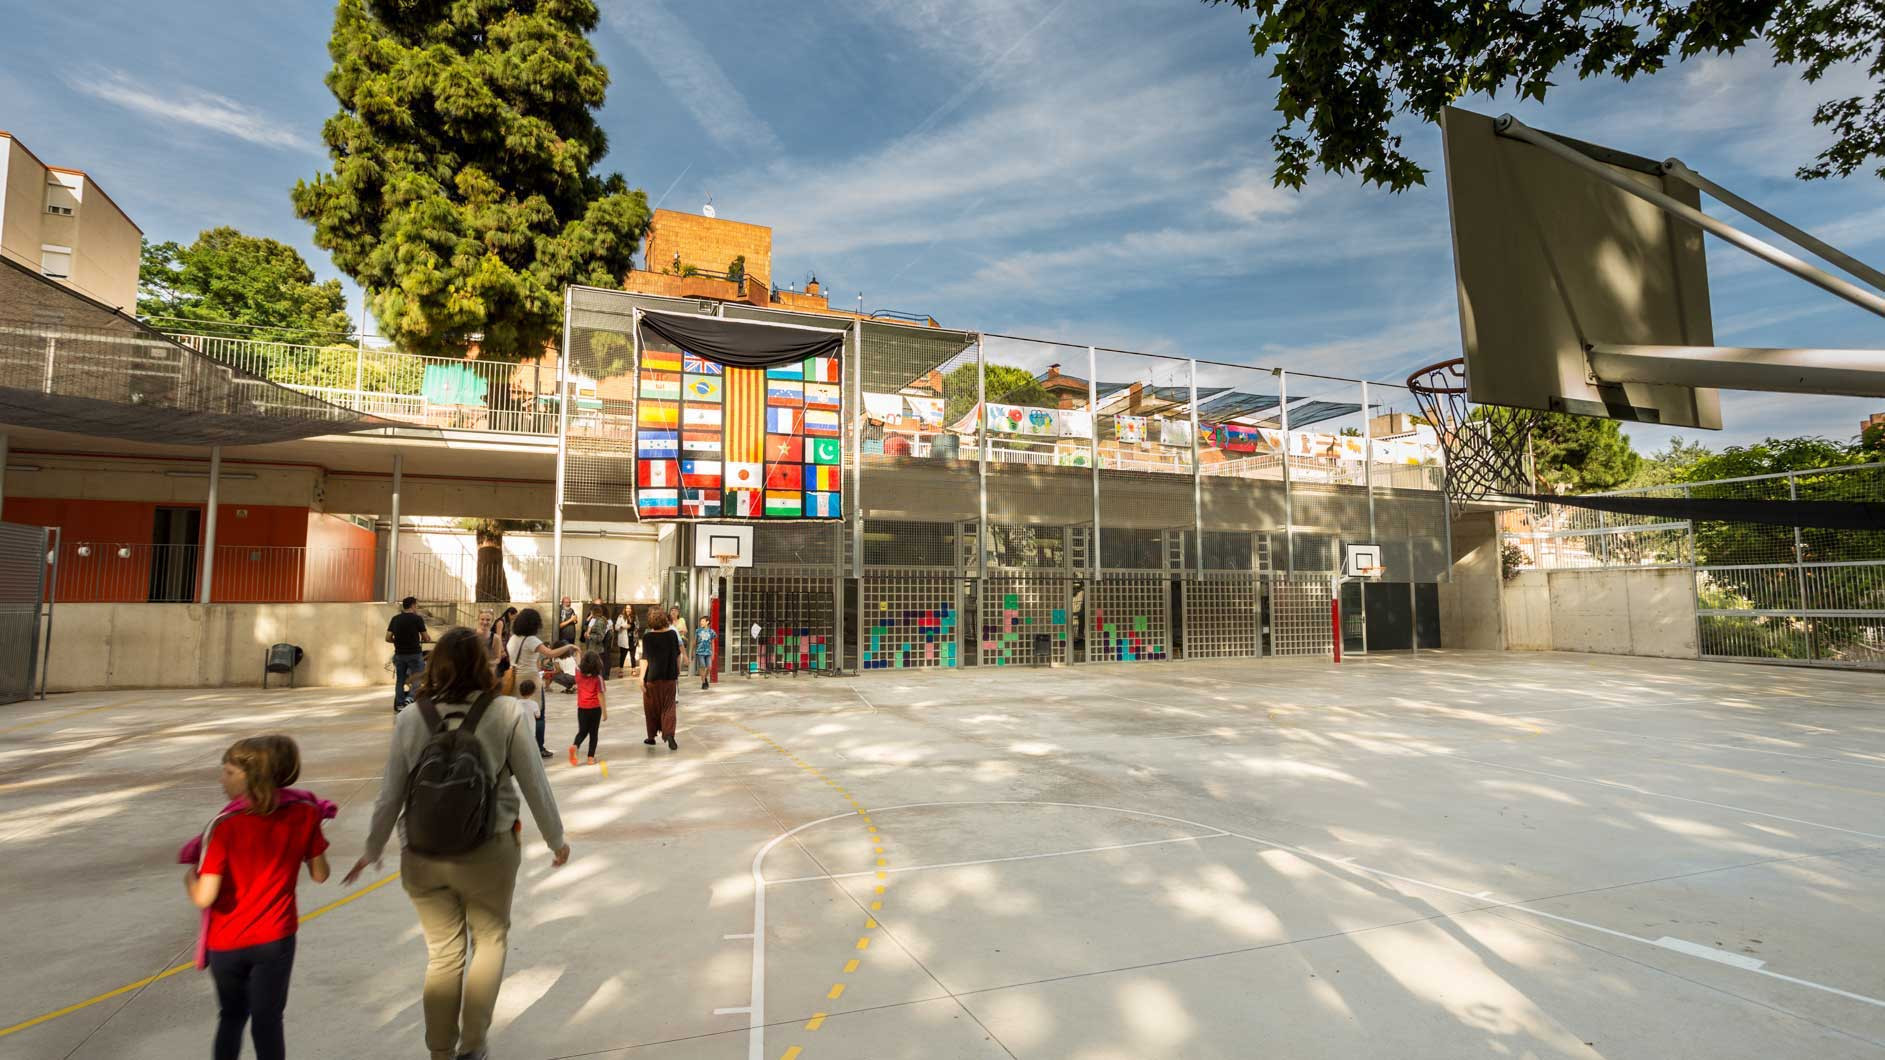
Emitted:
<point x="700" y="365"/>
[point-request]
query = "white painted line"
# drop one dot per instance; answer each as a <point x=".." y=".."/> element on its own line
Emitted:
<point x="731" y="1011"/>
<point x="756" y="1006"/>
<point x="1665" y="795"/>
<point x="992" y="861"/>
<point x="1710" y="953"/>
<point x="1482" y="894"/>
<point x="741" y="935"/>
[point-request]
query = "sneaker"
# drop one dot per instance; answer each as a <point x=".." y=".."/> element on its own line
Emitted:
<point x="545" y="752"/>
<point x="591" y="761"/>
<point x="572" y="755"/>
<point x="672" y="745"/>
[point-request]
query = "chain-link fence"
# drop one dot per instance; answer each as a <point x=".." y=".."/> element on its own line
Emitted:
<point x="1762" y="592"/>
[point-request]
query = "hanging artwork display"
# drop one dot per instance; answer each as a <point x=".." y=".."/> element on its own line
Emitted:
<point x="737" y="420"/>
<point x="1023" y="419"/>
<point x="1129" y="430"/>
<point x="1175" y="433"/>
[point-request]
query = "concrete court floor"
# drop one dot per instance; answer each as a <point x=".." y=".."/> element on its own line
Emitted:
<point x="1449" y="855"/>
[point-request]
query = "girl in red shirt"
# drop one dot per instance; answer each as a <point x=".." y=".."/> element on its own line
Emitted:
<point x="592" y="704"/>
<point x="245" y="880"/>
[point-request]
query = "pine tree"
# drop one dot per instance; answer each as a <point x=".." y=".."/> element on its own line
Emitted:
<point x="463" y="196"/>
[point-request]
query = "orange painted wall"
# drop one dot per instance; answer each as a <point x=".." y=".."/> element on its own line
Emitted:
<point x="341" y="554"/>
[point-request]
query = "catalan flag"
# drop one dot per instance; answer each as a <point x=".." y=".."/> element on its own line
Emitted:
<point x="745" y="414"/>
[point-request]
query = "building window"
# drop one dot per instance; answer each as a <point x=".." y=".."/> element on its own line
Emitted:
<point x="55" y="262"/>
<point x="62" y="211"/>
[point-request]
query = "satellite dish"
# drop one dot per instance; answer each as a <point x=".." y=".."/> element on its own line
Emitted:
<point x="707" y="210"/>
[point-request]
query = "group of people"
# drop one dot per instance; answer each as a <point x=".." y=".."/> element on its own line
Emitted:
<point x="458" y="773"/>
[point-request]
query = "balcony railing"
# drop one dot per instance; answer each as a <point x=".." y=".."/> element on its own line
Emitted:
<point x="450" y="392"/>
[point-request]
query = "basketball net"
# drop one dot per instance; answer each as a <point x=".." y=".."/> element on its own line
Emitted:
<point x="1486" y="446"/>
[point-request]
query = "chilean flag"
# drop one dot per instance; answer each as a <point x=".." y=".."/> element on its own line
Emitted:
<point x="701" y="473"/>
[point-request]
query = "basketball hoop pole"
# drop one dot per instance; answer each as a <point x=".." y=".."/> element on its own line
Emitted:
<point x="1335" y="615"/>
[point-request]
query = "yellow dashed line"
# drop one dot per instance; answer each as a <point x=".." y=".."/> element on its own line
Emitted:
<point x="792" y="1053"/>
<point x="850" y="966"/>
<point x="837" y="991"/>
<point x="870" y="922"/>
<point x="877" y="906"/>
<point x="817" y="1021"/>
<point x="864" y="942"/>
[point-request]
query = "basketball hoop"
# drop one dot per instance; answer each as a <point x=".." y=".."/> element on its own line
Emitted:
<point x="726" y="559"/>
<point x="1485" y="446"/>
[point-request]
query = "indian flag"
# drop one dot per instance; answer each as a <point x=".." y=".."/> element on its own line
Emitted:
<point x="787" y="503"/>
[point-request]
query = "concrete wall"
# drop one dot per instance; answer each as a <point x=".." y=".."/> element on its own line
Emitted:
<point x="1472" y="612"/>
<point x="98" y="646"/>
<point x="1647" y="612"/>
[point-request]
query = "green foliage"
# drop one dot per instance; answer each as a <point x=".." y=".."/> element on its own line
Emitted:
<point x="1512" y="559"/>
<point x="1007" y="385"/>
<point x="462" y="194"/>
<point x="340" y="366"/>
<point x="1668" y="464"/>
<point x="227" y="278"/>
<point x="1582" y="454"/>
<point x="1345" y="68"/>
<point x="736" y="269"/>
<point x="1772" y="456"/>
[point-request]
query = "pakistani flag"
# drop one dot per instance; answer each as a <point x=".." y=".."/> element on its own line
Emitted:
<point x="822" y="450"/>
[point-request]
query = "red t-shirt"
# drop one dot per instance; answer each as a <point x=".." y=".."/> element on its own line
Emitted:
<point x="588" y="692"/>
<point x="259" y="859"/>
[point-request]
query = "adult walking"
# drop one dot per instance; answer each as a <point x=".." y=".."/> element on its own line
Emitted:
<point x="406" y="632"/>
<point x="596" y="631"/>
<point x="492" y="639"/>
<point x="462" y="893"/>
<point x="659" y="674"/>
<point x="565" y="624"/>
<point x="527" y="652"/>
<point x="625" y="634"/>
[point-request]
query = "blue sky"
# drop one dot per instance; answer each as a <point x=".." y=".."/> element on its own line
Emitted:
<point x="1094" y="172"/>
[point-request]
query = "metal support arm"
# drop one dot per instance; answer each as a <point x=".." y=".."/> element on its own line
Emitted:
<point x="1858" y="373"/>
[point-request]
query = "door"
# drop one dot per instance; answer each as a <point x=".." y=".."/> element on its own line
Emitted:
<point x="174" y="555"/>
<point x="1355" y="615"/>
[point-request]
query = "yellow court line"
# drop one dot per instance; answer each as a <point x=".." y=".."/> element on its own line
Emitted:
<point x="168" y="972"/>
<point x="850" y="966"/>
<point x="837" y="991"/>
<point x="792" y="1053"/>
<point x="817" y="1021"/>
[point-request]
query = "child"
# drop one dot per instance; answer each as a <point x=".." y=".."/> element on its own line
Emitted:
<point x="592" y="704"/>
<point x="703" y="651"/>
<point x="242" y="875"/>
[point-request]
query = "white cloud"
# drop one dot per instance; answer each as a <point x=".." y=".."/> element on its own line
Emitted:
<point x="1251" y="195"/>
<point x="191" y="107"/>
<point x="697" y="82"/>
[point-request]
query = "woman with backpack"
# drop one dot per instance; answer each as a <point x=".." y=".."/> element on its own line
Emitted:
<point x="461" y="842"/>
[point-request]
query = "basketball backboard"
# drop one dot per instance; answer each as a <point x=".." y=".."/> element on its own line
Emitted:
<point x="1361" y="561"/>
<point x="713" y="542"/>
<point x="1549" y="260"/>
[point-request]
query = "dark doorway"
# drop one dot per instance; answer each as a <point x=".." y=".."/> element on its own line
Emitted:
<point x="174" y="536"/>
<point x="1353" y="618"/>
<point x="1427" y="613"/>
<point x="1390" y="616"/>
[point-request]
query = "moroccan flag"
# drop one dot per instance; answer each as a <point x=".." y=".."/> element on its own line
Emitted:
<point x="821" y="423"/>
<point x="821" y="369"/>
<point x="822" y="396"/>
<point x="657" y="502"/>
<point x="786" y="503"/>
<point x="745" y="415"/>
<point x="657" y="474"/>
<point x="784" y="449"/>
<point x="823" y="451"/>
<point x="783" y="477"/>
<point x="744" y="476"/>
<point x="745" y="504"/>
<point x="821" y="477"/>
<point x="701" y="473"/>
<point x="658" y="361"/>
<point x="824" y="505"/>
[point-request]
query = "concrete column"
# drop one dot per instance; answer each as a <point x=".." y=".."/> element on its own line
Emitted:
<point x="1289" y="512"/>
<point x="392" y="536"/>
<point x="209" y="522"/>
<point x="562" y="448"/>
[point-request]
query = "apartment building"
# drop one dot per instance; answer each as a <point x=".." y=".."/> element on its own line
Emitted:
<point x="60" y="223"/>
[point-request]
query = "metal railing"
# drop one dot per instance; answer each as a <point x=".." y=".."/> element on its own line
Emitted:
<point x="127" y="572"/>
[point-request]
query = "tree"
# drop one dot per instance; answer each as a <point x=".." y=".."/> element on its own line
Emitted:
<point x="493" y="581"/>
<point x="1669" y="464"/>
<point x="1577" y="454"/>
<point x="1345" y="68"/>
<point x="227" y="278"/>
<point x="1007" y="385"/>
<point x="462" y="195"/>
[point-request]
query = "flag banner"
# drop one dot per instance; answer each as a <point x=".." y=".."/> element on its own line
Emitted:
<point x="785" y="421"/>
<point x="699" y="442"/>
<point x="929" y="411"/>
<point x="1022" y="419"/>
<point x="745" y="476"/>
<point x="701" y="473"/>
<point x="700" y="502"/>
<point x="656" y="445"/>
<point x="821" y="423"/>
<point x="764" y="441"/>
<point x="1130" y="430"/>
<point x="660" y="386"/>
<point x="660" y="415"/>
<point x="784" y="449"/>
<point x="657" y="474"/>
<point x="1076" y="423"/>
<point x="784" y="477"/>
<point x="657" y="502"/>
<point x="1176" y="433"/>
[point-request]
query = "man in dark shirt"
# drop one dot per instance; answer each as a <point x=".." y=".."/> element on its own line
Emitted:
<point x="659" y="673"/>
<point x="405" y="633"/>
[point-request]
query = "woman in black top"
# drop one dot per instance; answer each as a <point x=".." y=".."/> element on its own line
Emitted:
<point x="659" y="672"/>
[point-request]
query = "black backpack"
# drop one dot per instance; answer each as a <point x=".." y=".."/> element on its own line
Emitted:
<point x="451" y="796"/>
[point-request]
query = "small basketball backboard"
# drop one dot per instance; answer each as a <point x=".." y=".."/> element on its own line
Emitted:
<point x="1549" y="260"/>
<point x="1361" y="561"/>
<point x="716" y="543"/>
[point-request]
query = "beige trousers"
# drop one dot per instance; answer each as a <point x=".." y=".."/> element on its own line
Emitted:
<point x="456" y="897"/>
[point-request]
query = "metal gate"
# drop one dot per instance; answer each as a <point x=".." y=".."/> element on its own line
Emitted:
<point x="1024" y="619"/>
<point x="1299" y="616"/>
<point x="1131" y="619"/>
<point x="796" y="612"/>
<point x="909" y="619"/>
<point x="22" y="589"/>
<point x="1223" y="616"/>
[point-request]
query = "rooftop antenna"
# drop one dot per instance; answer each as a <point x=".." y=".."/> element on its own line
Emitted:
<point x="707" y="210"/>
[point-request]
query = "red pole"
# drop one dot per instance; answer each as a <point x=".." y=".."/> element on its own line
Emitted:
<point x="713" y="664"/>
<point x="1335" y="623"/>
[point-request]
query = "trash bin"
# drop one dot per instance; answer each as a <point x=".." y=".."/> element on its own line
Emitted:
<point x="281" y="659"/>
<point x="1043" y="649"/>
